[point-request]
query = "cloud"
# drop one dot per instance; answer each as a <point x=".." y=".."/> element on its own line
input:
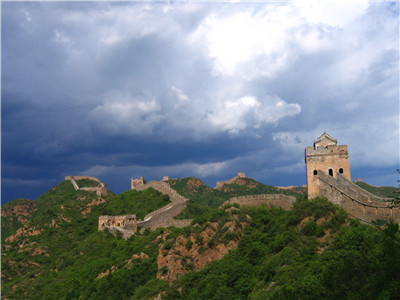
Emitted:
<point x="373" y="144"/>
<point x="181" y="97"/>
<point x="122" y="114"/>
<point x="195" y="88"/>
<point x="235" y="116"/>
<point x="157" y="172"/>
<point x="338" y="13"/>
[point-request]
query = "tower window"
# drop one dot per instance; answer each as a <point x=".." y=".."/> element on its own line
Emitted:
<point x="341" y="170"/>
<point x="330" y="172"/>
<point x="315" y="172"/>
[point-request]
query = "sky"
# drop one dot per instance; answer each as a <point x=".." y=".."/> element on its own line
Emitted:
<point x="203" y="89"/>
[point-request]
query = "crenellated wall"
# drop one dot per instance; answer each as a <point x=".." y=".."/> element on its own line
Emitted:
<point x="358" y="202"/>
<point x="328" y="156"/>
<point x="126" y="221"/>
<point x="229" y="181"/>
<point x="162" y="217"/>
<point x="100" y="190"/>
<point x="272" y="200"/>
<point x="163" y="188"/>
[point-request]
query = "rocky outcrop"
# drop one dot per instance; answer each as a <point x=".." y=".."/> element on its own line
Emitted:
<point x="24" y="231"/>
<point x="195" y="252"/>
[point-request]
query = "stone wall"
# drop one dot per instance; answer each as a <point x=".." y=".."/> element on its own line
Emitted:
<point x="358" y="202"/>
<point x="327" y="156"/>
<point x="166" y="215"/>
<point x="229" y="181"/>
<point x="101" y="189"/>
<point x="137" y="182"/>
<point x="127" y="222"/>
<point x="163" y="188"/>
<point x="272" y="200"/>
<point x="162" y="217"/>
<point x="82" y="177"/>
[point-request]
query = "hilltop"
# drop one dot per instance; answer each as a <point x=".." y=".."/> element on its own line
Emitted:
<point x="51" y="248"/>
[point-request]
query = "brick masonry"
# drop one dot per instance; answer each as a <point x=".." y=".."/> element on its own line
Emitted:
<point x="358" y="202"/>
<point x="101" y="189"/>
<point x="328" y="175"/>
<point x="162" y="217"/>
<point x="271" y="200"/>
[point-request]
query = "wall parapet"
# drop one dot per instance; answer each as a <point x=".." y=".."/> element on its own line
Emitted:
<point x="229" y="181"/>
<point x="273" y="200"/>
<point x="162" y="217"/>
<point x="101" y="189"/>
<point x="358" y="202"/>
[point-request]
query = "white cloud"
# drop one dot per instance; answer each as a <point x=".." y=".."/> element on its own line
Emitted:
<point x="126" y="115"/>
<point x="180" y="95"/>
<point x="157" y="172"/>
<point x="234" y="116"/>
<point x="184" y="72"/>
<point x="334" y="13"/>
<point x="373" y="144"/>
<point x="250" y="44"/>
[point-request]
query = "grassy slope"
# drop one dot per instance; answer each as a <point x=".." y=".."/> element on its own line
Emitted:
<point x="14" y="214"/>
<point x="202" y="198"/>
<point x="381" y="191"/>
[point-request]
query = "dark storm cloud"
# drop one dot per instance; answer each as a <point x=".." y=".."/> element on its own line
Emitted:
<point x="117" y="90"/>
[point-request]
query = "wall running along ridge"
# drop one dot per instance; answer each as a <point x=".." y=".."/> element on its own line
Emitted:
<point x="358" y="202"/>
<point x="271" y="200"/>
<point x="100" y="190"/>
<point x="229" y="181"/>
<point x="162" y="217"/>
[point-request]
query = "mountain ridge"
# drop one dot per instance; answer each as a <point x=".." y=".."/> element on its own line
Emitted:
<point x="60" y="253"/>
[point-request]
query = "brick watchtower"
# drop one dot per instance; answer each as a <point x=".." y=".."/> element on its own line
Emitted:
<point x="328" y="157"/>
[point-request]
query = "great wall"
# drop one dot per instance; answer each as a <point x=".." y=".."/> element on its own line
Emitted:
<point x="328" y="175"/>
<point x="270" y="200"/>
<point x="101" y="189"/>
<point x="358" y="202"/>
<point x="229" y="181"/>
<point x="163" y="217"/>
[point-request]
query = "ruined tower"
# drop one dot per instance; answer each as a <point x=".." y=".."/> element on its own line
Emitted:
<point x="325" y="156"/>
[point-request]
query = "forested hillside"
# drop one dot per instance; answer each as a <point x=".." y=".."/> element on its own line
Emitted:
<point x="51" y="249"/>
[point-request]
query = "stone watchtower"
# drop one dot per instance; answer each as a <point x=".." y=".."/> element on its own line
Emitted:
<point x="325" y="156"/>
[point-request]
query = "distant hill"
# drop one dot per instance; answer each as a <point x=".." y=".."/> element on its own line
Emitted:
<point x="202" y="198"/>
<point x="381" y="191"/>
<point x="195" y="189"/>
<point x="51" y="248"/>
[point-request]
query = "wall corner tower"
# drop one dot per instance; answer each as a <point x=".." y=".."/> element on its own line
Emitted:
<point x="327" y="157"/>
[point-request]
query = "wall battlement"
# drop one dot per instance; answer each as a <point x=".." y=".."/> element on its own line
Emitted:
<point x="358" y="202"/>
<point x="329" y="150"/>
<point x="272" y="200"/>
<point x="127" y="222"/>
<point x="328" y="175"/>
<point x="327" y="156"/>
<point x="162" y="217"/>
<point x="101" y="189"/>
<point x="229" y="181"/>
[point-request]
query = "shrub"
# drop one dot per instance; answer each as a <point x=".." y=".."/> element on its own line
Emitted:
<point x="189" y="244"/>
